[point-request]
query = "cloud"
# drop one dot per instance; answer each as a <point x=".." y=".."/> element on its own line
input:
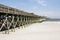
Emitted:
<point x="50" y="14"/>
<point x="42" y="2"/>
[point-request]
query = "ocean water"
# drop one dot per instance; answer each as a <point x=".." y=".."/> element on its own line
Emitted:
<point x="48" y="30"/>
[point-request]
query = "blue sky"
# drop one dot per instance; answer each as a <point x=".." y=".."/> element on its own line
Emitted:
<point x="49" y="8"/>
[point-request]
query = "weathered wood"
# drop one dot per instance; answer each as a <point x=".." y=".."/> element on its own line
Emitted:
<point x="13" y="18"/>
<point x="10" y="10"/>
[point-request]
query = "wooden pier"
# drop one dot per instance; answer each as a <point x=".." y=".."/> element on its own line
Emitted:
<point x="11" y="18"/>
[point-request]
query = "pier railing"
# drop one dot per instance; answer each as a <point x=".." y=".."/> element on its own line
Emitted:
<point x="10" y="18"/>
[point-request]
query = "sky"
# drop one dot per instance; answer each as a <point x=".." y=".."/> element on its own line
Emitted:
<point x="49" y="8"/>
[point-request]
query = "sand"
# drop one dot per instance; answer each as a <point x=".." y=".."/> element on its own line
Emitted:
<point x="37" y="31"/>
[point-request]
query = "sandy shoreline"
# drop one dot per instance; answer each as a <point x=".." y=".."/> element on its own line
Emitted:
<point x="37" y="31"/>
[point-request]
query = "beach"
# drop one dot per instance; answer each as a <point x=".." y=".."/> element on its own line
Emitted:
<point x="48" y="30"/>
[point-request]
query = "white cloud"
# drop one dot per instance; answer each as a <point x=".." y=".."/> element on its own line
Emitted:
<point x="42" y="2"/>
<point x="51" y="14"/>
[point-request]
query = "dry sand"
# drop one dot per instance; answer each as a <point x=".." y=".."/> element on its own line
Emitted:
<point x="37" y="31"/>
